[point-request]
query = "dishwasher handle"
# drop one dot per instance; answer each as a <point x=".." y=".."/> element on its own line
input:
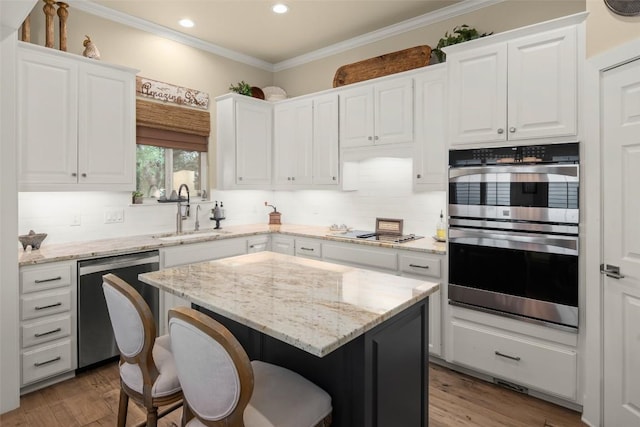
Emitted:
<point x="113" y="263"/>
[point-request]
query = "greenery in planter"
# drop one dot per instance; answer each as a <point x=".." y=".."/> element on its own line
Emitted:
<point x="242" y="88"/>
<point x="459" y="34"/>
<point x="136" y="197"/>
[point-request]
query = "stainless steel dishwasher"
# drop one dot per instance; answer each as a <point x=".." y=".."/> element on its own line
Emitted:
<point x="96" y="342"/>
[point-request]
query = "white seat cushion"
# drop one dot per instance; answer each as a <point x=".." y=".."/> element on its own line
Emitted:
<point x="167" y="382"/>
<point x="282" y="398"/>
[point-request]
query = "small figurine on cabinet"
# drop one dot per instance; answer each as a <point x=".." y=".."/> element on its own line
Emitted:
<point x="90" y="49"/>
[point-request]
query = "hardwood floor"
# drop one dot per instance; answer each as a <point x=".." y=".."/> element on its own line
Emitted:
<point x="91" y="399"/>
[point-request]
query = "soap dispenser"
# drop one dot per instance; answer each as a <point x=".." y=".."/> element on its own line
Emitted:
<point x="441" y="230"/>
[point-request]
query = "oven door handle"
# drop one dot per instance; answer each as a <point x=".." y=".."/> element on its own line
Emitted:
<point x="564" y="245"/>
<point x="569" y="171"/>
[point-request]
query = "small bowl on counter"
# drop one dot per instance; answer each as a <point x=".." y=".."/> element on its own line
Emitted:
<point x="32" y="239"/>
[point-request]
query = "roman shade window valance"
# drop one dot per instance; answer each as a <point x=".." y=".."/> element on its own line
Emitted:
<point x="171" y="126"/>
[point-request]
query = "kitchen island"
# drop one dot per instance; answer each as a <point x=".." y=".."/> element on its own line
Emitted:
<point x="359" y="334"/>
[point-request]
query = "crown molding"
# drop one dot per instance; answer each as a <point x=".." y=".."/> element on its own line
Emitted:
<point x="159" y="30"/>
<point x="464" y="7"/>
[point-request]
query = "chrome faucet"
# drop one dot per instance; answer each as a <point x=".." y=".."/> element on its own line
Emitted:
<point x="197" y="219"/>
<point x="179" y="216"/>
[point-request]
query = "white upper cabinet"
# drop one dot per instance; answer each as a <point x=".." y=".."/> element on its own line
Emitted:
<point x="430" y="157"/>
<point x="76" y="123"/>
<point x="306" y="146"/>
<point x="326" y="146"/>
<point x="293" y="143"/>
<point x="244" y="139"/>
<point x="379" y="113"/>
<point x="521" y="89"/>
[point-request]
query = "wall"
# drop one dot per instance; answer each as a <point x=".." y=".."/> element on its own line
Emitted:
<point x="385" y="190"/>
<point x="606" y="30"/>
<point x="318" y="75"/>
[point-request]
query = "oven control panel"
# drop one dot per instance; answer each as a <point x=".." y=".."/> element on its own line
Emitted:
<point x="525" y="154"/>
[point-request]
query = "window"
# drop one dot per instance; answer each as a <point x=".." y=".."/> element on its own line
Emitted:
<point x="161" y="170"/>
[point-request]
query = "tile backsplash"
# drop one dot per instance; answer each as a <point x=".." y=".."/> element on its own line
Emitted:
<point x="384" y="190"/>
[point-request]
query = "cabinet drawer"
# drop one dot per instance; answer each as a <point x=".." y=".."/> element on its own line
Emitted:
<point x="200" y="252"/>
<point x="39" y="279"/>
<point x="43" y="304"/>
<point x="307" y="248"/>
<point x="421" y="265"/>
<point x="46" y="361"/>
<point x="527" y="361"/>
<point x="381" y="260"/>
<point x="45" y="330"/>
<point x="258" y="244"/>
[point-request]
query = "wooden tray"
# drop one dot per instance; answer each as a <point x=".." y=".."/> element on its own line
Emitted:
<point x="390" y="63"/>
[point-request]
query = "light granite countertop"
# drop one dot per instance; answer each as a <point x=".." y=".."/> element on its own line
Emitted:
<point x="313" y="305"/>
<point x="129" y="244"/>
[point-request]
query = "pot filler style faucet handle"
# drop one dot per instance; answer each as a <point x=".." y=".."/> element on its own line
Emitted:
<point x="180" y="216"/>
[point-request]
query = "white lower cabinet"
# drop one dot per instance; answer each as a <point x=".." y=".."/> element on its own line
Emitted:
<point x="283" y="245"/>
<point x="428" y="267"/>
<point x="188" y="254"/>
<point x="47" y="321"/>
<point x="532" y="356"/>
<point x="308" y="248"/>
<point x="258" y="244"/>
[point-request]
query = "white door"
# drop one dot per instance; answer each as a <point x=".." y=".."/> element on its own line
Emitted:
<point x="393" y="112"/>
<point x="106" y="127"/>
<point x="542" y="91"/>
<point x="356" y="117"/>
<point x="478" y="95"/>
<point x="253" y="144"/>
<point x="621" y="244"/>
<point x="326" y="148"/>
<point x="293" y="133"/>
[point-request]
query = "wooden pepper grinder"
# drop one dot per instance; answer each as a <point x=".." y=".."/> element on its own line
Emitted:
<point x="274" y="217"/>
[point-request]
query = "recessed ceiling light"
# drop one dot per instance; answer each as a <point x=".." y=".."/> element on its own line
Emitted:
<point x="280" y="8"/>
<point x="186" y="22"/>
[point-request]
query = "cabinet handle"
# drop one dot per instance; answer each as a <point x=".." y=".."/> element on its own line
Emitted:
<point x="419" y="266"/>
<point x="47" y="333"/>
<point x="500" y="131"/>
<point x="46" y="362"/>
<point x="84" y="175"/>
<point x="512" y="129"/>
<point x="333" y="178"/>
<point x="516" y="358"/>
<point x="52" y="279"/>
<point x="377" y="137"/>
<point x="306" y="249"/>
<point x="74" y="174"/>
<point x="369" y="138"/>
<point x="48" y="306"/>
<point x="418" y="176"/>
<point x="293" y="178"/>
<point x="288" y="178"/>
<point x="239" y="178"/>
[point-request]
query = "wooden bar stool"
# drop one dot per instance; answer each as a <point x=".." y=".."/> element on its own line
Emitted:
<point x="147" y="367"/>
<point x="222" y="388"/>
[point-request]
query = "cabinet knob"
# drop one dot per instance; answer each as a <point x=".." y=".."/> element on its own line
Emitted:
<point x="512" y="129"/>
<point x="333" y="178"/>
<point x="74" y="174"/>
<point x="418" y="176"/>
<point x="288" y="178"/>
<point x="377" y="137"/>
<point x="500" y="131"/>
<point x="239" y="178"/>
<point x="293" y="178"/>
<point x="369" y="138"/>
<point x="84" y="175"/>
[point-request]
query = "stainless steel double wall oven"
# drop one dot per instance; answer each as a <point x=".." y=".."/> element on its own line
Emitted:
<point x="513" y="231"/>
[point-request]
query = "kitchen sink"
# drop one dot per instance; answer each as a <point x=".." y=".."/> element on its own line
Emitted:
<point x="172" y="237"/>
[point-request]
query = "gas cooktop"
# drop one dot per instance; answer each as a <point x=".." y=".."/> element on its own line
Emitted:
<point x="373" y="236"/>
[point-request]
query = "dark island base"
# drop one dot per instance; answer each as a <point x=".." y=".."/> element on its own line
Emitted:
<point x="379" y="379"/>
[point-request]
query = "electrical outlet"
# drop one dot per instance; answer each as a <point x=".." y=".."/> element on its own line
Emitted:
<point x="113" y="216"/>
<point x="75" y="220"/>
